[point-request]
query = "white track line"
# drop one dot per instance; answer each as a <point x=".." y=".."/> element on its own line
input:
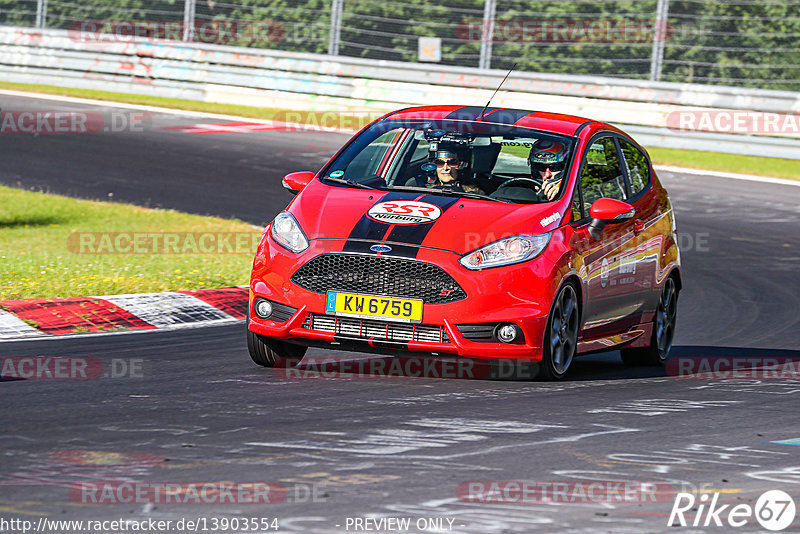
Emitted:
<point x="168" y="309"/>
<point x="85" y="335"/>
<point x="731" y="175"/>
<point x="179" y="112"/>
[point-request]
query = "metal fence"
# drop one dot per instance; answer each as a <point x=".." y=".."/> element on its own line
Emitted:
<point x="747" y="43"/>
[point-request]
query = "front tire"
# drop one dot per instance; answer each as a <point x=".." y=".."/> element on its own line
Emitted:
<point x="266" y="351"/>
<point x="561" y="336"/>
<point x="663" y="331"/>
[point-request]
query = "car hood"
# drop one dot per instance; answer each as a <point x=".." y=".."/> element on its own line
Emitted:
<point x="456" y="224"/>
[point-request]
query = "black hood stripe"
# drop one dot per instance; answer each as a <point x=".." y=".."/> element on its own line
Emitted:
<point x="414" y="234"/>
<point x="362" y="247"/>
<point x="367" y="231"/>
<point x="369" y="228"/>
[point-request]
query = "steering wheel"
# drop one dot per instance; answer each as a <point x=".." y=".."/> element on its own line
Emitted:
<point x="511" y="181"/>
<point x="537" y="183"/>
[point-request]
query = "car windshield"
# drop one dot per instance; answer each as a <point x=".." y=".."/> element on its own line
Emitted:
<point x="472" y="159"/>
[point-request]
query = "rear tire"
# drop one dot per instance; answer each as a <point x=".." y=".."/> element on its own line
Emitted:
<point x="663" y="331"/>
<point x="561" y="335"/>
<point x="266" y="352"/>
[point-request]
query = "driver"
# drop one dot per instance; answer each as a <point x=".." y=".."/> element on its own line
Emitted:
<point x="449" y="163"/>
<point x="547" y="159"/>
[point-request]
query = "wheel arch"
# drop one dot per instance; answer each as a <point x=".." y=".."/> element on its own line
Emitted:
<point x="577" y="283"/>
<point x="676" y="274"/>
<point x="546" y="372"/>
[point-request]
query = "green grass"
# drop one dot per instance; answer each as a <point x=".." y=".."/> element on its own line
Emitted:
<point x="715" y="161"/>
<point x="41" y="253"/>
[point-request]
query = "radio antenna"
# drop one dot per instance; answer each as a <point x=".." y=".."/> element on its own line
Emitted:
<point x="480" y="117"/>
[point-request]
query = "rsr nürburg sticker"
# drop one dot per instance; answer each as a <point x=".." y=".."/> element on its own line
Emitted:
<point x="404" y="212"/>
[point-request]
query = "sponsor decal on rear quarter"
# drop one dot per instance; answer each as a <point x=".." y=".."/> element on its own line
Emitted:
<point x="404" y="212"/>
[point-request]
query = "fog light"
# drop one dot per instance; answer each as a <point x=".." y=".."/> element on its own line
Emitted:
<point x="507" y="333"/>
<point x="263" y="308"/>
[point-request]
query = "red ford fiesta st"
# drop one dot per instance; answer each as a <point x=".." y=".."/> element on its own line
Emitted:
<point x="490" y="234"/>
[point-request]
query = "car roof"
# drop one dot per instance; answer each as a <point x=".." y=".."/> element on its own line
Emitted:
<point x="539" y="120"/>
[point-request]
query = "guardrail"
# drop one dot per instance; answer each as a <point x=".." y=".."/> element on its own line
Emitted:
<point x="268" y="78"/>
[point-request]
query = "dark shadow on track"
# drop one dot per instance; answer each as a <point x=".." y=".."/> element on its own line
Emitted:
<point x="685" y="360"/>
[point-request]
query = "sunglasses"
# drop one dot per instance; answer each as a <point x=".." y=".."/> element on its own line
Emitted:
<point x="452" y="162"/>
<point x="554" y="167"/>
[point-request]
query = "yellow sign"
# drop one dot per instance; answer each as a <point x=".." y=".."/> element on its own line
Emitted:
<point x="373" y="306"/>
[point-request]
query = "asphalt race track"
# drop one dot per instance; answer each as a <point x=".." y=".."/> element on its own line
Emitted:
<point x="198" y="410"/>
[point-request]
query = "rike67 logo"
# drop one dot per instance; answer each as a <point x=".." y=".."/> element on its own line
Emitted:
<point x="404" y="212"/>
<point x="774" y="510"/>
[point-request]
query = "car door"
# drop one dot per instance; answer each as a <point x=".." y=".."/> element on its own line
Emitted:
<point x="639" y="267"/>
<point x="610" y="304"/>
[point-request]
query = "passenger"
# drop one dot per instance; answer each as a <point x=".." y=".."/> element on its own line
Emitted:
<point x="449" y="167"/>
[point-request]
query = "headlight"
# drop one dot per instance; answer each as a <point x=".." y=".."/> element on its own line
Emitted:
<point x="506" y="251"/>
<point x="287" y="233"/>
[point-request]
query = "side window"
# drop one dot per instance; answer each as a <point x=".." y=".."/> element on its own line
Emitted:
<point x="636" y="163"/>
<point x="601" y="175"/>
<point x="370" y="160"/>
<point x="421" y="151"/>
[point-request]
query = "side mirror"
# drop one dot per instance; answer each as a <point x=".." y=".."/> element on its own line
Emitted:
<point x="608" y="211"/>
<point x="295" y="182"/>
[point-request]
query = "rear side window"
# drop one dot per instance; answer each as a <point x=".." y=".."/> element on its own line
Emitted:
<point x="636" y="163"/>
<point x="601" y="175"/>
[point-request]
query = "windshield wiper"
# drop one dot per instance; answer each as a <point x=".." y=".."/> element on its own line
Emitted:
<point x="445" y="191"/>
<point x="349" y="182"/>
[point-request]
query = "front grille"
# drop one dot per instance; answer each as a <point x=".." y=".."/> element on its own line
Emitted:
<point x="379" y="275"/>
<point x="369" y="328"/>
<point x="486" y="333"/>
<point x="481" y="332"/>
<point x="281" y="312"/>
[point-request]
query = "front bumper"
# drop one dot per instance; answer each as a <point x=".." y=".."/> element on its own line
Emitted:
<point x="520" y="294"/>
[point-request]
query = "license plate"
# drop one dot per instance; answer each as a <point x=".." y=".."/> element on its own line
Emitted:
<point x="373" y="306"/>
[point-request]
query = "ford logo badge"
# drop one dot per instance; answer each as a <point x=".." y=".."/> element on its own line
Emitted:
<point x="380" y="248"/>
